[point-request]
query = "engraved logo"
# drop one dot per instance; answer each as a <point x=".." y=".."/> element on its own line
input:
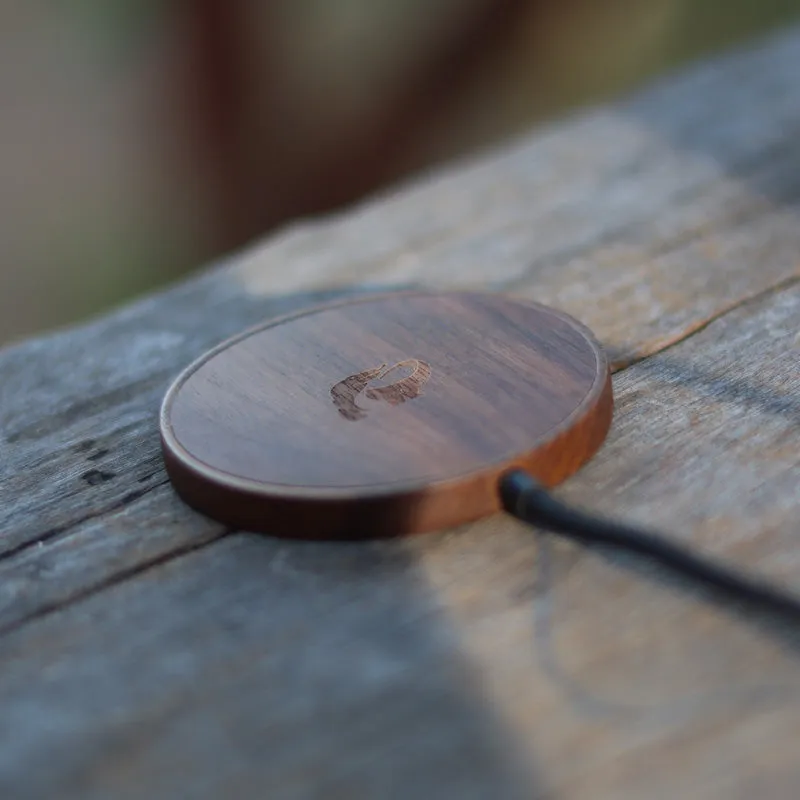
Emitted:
<point x="346" y="392"/>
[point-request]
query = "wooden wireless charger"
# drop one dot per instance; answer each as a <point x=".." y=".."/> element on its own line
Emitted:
<point x="385" y="415"/>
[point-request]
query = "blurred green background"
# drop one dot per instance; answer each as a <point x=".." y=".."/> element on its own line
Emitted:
<point x="142" y="138"/>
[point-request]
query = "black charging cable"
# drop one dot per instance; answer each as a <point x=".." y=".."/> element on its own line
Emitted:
<point x="523" y="497"/>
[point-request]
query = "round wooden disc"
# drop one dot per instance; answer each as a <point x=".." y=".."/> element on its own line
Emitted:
<point x="384" y="415"/>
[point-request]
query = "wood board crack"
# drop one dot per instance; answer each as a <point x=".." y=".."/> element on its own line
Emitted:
<point x="663" y="345"/>
<point x="61" y="532"/>
<point x="114" y="579"/>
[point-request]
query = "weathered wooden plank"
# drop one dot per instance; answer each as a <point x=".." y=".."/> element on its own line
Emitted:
<point x="298" y="670"/>
<point x="348" y="670"/>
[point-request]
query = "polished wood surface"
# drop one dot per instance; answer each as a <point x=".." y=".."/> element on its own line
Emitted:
<point x="384" y="415"/>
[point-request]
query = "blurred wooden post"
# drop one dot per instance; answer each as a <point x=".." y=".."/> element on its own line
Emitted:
<point x="215" y="106"/>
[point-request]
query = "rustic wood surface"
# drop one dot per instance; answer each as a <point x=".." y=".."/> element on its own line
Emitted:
<point x="146" y="652"/>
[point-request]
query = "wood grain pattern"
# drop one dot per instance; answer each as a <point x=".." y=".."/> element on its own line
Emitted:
<point x="146" y="651"/>
<point x="254" y="433"/>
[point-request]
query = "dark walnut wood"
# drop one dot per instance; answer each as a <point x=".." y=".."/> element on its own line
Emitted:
<point x="385" y="415"/>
